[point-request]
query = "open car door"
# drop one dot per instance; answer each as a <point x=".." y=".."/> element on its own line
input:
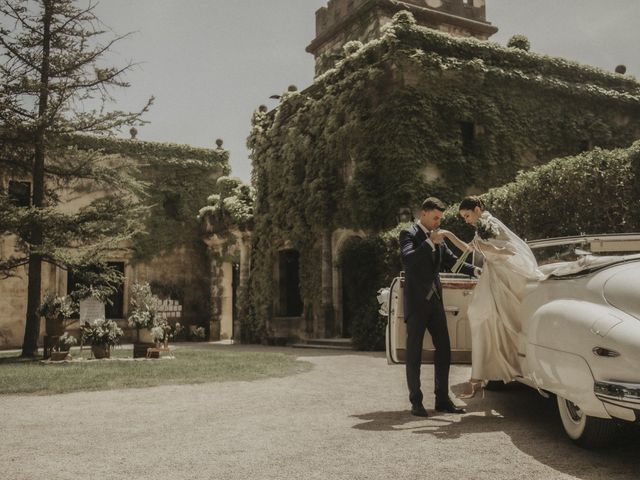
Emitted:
<point x="456" y="290"/>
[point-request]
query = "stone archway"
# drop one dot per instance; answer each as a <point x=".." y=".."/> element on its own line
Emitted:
<point x="342" y="322"/>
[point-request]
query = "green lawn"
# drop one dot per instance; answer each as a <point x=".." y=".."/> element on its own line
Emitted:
<point x="191" y="365"/>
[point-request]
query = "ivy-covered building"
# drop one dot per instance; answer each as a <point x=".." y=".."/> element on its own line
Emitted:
<point x="170" y="254"/>
<point x="412" y="113"/>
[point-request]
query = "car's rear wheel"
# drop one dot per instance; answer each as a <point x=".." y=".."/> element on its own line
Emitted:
<point x="584" y="430"/>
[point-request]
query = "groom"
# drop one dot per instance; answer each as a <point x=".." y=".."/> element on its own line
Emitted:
<point x="423" y="253"/>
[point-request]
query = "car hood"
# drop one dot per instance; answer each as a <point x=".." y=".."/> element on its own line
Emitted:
<point x="622" y="289"/>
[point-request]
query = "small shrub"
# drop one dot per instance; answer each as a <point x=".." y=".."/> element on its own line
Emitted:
<point x="519" y="41"/>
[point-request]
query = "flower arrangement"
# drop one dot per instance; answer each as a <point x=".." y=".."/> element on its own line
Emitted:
<point x="55" y="310"/>
<point x="164" y="331"/>
<point x="101" y="332"/>
<point x="143" y="311"/>
<point x="57" y="307"/>
<point x="198" y="333"/>
<point x="66" y="341"/>
<point x="485" y="228"/>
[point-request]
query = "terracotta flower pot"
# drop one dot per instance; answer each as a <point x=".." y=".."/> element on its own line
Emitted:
<point x="59" y="356"/>
<point x="101" y="351"/>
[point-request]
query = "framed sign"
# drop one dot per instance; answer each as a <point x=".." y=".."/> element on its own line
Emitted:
<point x="91" y="309"/>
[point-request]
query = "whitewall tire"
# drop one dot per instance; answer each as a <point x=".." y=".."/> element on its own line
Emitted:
<point x="586" y="431"/>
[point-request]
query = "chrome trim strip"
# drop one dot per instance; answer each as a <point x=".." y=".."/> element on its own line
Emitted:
<point x="621" y="403"/>
<point x="616" y="399"/>
<point x="619" y="391"/>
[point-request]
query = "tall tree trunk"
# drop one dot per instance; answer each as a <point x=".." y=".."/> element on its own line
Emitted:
<point x="32" y="326"/>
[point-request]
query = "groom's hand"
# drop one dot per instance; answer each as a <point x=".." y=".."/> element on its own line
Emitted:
<point x="436" y="237"/>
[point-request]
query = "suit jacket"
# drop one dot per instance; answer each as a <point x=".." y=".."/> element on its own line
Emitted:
<point x="422" y="265"/>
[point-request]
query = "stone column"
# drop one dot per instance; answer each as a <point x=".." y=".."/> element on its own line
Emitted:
<point x="215" y="289"/>
<point x="245" y="268"/>
<point x="326" y="306"/>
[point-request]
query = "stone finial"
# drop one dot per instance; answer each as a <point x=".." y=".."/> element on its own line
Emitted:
<point x="219" y="143"/>
<point x="292" y="88"/>
<point x="133" y="131"/>
<point x="621" y="69"/>
<point x="263" y="109"/>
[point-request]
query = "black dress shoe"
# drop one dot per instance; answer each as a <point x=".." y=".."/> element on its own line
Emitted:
<point x="449" y="407"/>
<point x="419" y="411"/>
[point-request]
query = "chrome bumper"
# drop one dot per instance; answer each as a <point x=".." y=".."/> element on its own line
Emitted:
<point x="625" y="395"/>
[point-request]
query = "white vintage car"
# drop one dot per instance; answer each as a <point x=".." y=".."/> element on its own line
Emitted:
<point x="581" y="333"/>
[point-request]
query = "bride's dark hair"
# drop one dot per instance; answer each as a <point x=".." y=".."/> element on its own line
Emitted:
<point x="469" y="203"/>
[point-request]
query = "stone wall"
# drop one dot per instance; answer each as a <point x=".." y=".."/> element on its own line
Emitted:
<point x="342" y="21"/>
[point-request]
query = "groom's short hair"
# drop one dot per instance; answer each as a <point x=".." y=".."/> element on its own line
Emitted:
<point x="433" y="203"/>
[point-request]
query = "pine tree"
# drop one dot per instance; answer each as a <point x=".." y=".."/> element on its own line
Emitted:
<point x="54" y="87"/>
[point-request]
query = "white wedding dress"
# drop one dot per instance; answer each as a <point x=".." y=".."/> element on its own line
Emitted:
<point x="493" y="311"/>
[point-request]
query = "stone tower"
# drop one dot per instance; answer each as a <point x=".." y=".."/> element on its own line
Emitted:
<point x="344" y="20"/>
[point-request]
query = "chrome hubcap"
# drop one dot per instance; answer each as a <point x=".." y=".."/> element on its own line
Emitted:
<point x="574" y="411"/>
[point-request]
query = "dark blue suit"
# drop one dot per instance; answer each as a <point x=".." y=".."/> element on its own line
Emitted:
<point x="425" y="311"/>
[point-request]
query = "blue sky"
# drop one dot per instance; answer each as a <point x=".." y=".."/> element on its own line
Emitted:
<point x="210" y="63"/>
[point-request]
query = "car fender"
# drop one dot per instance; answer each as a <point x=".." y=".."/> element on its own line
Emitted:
<point x="565" y="374"/>
<point x="560" y="337"/>
<point x="570" y="325"/>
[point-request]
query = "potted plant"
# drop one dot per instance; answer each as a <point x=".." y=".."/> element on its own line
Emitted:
<point x="143" y="311"/>
<point x="101" y="335"/>
<point x="66" y="341"/>
<point x="62" y="347"/>
<point x="163" y="332"/>
<point x="55" y="310"/>
<point x="197" y="332"/>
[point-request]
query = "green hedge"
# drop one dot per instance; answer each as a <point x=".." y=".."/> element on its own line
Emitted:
<point x="592" y="193"/>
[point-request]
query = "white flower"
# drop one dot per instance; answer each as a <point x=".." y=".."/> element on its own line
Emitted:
<point x="383" y="300"/>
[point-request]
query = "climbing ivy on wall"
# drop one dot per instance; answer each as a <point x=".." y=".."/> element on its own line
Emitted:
<point x="179" y="180"/>
<point x="351" y="150"/>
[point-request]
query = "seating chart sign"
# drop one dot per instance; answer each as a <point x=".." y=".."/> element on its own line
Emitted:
<point x="91" y="309"/>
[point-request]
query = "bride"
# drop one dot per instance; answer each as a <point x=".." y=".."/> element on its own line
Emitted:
<point x="493" y="311"/>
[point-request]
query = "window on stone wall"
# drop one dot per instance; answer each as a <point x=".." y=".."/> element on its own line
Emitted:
<point x="289" y="284"/>
<point x="171" y="204"/>
<point x="115" y="308"/>
<point x="468" y="133"/>
<point x="20" y="193"/>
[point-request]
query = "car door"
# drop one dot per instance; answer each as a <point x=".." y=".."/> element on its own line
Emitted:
<point x="456" y="290"/>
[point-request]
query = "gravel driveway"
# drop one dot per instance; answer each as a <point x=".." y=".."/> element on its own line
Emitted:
<point x="345" y="419"/>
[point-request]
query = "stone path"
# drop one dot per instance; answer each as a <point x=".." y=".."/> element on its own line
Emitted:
<point x="344" y="419"/>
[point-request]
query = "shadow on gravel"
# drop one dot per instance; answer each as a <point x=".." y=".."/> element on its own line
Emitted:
<point x="532" y="423"/>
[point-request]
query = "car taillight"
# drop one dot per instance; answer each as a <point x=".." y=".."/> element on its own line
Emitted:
<point x="604" y="352"/>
